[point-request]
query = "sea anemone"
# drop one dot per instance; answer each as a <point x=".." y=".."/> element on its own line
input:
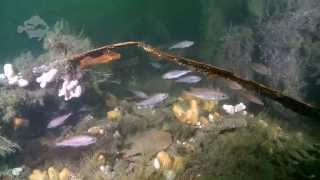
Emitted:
<point x="38" y="175"/>
<point x="53" y="173"/>
<point x="114" y="114"/>
<point x="191" y="116"/>
<point x="163" y="161"/>
<point x="65" y="174"/>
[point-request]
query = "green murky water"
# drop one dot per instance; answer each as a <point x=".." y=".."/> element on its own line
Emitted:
<point x="156" y="22"/>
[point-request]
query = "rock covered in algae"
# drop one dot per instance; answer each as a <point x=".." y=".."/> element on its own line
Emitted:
<point x="148" y="142"/>
<point x="230" y="123"/>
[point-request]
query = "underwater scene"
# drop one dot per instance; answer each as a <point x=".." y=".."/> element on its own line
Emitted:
<point x="165" y="90"/>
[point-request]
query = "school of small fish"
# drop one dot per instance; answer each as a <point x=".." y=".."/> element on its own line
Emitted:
<point x="178" y="76"/>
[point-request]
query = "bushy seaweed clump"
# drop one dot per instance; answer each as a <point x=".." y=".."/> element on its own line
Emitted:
<point x="238" y="48"/>
<point x="260" y="151"/>
<point x="284" y="36"/>
<point x="281" y="34"/>
<point x="7" y="147"/>
<point x="11" y="101"/>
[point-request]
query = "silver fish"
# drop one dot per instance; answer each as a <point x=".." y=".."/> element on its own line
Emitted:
<point x="207" y="94"/>
<point x="77" y="141"/>
<point x="156" y="65"/>
<point x="234" y="85"/>
<point x="139" y="94"/>
<point x="153" y="100"/>
<point x="175" y="74"/>
<point x="182" y="45"/>
<point x="58" y="121"/>
<point x="189" y="79"/>
<point x="252" y="98"/>
<point x="261" y="69"/>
